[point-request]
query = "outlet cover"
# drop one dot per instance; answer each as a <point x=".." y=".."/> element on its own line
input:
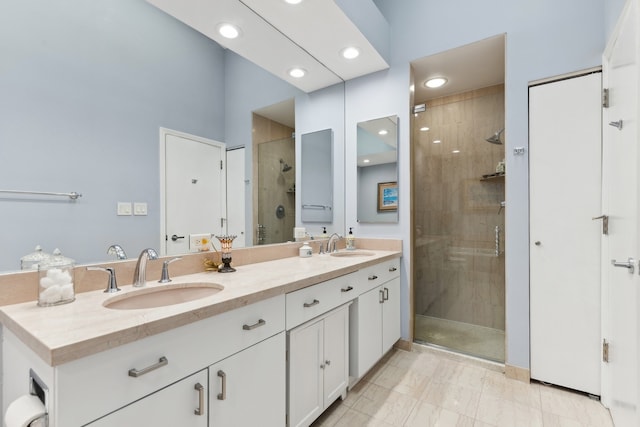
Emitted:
<point x="124" y="208"/>
<point x="139" y="208"/>
<point x="199" y="242"/>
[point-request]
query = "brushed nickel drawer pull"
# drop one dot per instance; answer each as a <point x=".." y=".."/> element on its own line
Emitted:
<point x="223" y="395"/>
<point x="381" y="294"/>
<point x="386" y="294"/>
<point x="140" y="372"/>
<point x="200" y="409"/>
<point x="347" y="289"/>
<point x="260" y="322"/>
<point x="373" y="277"/>
<point x="392" y="269"/>
<point x="311" y="304"/>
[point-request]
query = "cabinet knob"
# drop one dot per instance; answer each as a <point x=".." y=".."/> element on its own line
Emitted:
<point x="327" y="362"/>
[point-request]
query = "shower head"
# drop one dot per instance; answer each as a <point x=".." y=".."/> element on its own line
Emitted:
<point x="495" y="138"/>
<point x="285" y="167"/>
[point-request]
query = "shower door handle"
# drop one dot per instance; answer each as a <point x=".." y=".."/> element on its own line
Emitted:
<point x="497" y="235"/>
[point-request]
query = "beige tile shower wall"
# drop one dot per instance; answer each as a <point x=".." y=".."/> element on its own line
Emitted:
<point x="458" y="277"/>
<point x="272" y="142"/>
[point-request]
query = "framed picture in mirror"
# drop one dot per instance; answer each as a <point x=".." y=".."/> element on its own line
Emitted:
<point x="387" y="196"/>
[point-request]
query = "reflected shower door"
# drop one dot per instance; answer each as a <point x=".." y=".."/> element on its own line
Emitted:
<point x="276" y="191"/>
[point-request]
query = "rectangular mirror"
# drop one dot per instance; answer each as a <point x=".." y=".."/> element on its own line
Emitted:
<point x="378" y="170"/>
<point x="316" y="192"/>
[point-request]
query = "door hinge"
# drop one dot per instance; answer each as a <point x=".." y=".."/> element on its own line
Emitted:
<point x="221" y="166"/>
<point x="605" y="98"/>
<point x="605" y="351"/>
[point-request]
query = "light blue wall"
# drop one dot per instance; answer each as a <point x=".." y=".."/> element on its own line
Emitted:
<point x="84" y="88"/>
<point x="544" y="38"/>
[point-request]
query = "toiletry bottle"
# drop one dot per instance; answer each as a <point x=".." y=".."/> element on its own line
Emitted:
<point x="305" y="250"/>
<point x="351" y="240"/>
<point x="324" y="233"/>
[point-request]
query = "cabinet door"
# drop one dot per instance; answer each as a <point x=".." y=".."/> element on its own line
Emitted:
<point x="249" y="388"/>
<point x="390" y="314"/>
<point x="369" y="329"/>
<point x="305" y="379"/>
<point x="336" y="355"/>
<point x="181" y="404"/>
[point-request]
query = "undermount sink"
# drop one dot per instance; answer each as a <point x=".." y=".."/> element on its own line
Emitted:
<point x="162" y="296"/>
<point x="351" y="253"/>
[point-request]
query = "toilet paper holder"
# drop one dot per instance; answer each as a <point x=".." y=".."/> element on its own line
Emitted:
<point x="38" y="388"/>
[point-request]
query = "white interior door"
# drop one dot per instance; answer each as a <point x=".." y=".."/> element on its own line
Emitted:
<point x="194" y="190"/>
<point x="236" y="193"/>
<point x="565" y="121"/>
<point x="621" y="381"/>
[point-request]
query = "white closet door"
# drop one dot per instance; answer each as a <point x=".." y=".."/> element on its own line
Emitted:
<point x="565" y="194"/>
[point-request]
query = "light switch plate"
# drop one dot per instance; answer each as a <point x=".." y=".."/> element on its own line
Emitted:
<point x="124" y="208"/>
<point x="139" y="208"/>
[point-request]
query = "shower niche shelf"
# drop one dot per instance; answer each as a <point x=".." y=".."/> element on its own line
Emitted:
<point x="493" y="176"/>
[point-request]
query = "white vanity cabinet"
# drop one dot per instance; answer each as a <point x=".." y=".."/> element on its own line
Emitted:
<point x="180" y="404"/>
<point x="87" y="389"/>
<point x="249" y="388"/>
<point x="375" y="316"/>
<point x="318" y="365"/>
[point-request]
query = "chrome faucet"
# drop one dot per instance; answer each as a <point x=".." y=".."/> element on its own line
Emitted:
<point x="118" y="251"/>
<point x="139" y="275"/>
<point x="164" y="276"/>
<point x="335" y="249"/>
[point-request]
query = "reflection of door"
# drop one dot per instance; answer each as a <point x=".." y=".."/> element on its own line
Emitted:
<point x="236" y="191"/>
<point x="565" y="193"/>
<point x="620" y="392"/>
<point x="194" y="189"/>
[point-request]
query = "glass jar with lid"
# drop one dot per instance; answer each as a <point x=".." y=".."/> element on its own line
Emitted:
<point x="56" y="284"/>
<point x="34" y="259"/>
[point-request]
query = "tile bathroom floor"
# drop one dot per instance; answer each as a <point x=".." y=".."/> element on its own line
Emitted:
<point x="433" y="388"/>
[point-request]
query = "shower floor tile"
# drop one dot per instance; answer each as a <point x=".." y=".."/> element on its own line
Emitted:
<point x="474" y="340"/>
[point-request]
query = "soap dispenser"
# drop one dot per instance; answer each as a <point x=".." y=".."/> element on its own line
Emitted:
<point x="351" y="240"/>
<point x="305" y="250"/>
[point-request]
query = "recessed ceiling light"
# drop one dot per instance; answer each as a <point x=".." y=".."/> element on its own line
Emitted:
<point x="435" y="82"/>
<point x="293" y="1"/>
<point x="228" y="31"/>
<point x="383" y="132"/>
<point x="455" y="151"/>
<point x="412" y="88"/>
<point x="297" y="73"/>
<point x="436" y="141"/>
<point x="366" y="161"/>
<point x="424" y="129"/>
<point x="350" y="52"/>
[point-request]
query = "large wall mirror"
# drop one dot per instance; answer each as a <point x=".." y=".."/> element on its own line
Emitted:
<point x="94" y="129"/>
<point x="378" y="170"/>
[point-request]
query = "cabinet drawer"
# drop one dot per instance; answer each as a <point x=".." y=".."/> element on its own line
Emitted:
<point x="96" y="385"/>
<point x="375" y="275"/>
<point x="310" y="302"/>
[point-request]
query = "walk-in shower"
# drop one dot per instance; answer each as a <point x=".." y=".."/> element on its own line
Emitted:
<point x="458" y="276"/>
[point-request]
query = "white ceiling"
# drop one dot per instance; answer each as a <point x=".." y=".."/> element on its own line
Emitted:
<point x="473" y="66"/>
<point x="278" y="36"/>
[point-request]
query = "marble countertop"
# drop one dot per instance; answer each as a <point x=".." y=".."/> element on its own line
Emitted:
<point x="64" y="333"/>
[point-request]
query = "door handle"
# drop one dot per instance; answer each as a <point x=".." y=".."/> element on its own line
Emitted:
<point x="605" y="223"/>
<point x="175" y="237"/>
<point x="629" y="264"/>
